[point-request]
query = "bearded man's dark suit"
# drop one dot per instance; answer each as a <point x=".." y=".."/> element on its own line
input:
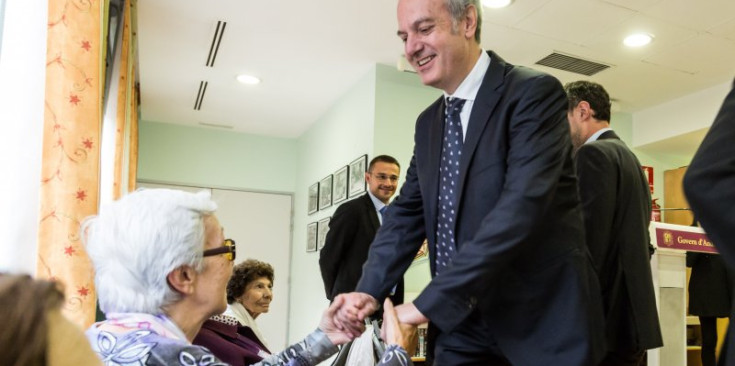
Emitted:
<point x="351" y="230"/>
<point x="709" y="185"/>
<point x="616" y="203"/>
<point x="521" y="270"/>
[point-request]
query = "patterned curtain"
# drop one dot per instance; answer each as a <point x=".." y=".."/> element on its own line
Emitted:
<point x="70" y="182"/>
<point x="70" y="167"/>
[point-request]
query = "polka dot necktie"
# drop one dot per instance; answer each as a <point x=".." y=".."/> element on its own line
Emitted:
<point x="448" y="184"/>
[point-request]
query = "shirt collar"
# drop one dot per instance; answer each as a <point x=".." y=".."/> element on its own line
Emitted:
<point x="469" y="87"/>
<point x="376" y="202"/>
<point x="597" y="134"/>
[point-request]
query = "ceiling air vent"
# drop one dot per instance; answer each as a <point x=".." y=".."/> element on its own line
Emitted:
<point x="200" y="95"/>
<point x="214" y="48"/>
<point x="572" y="64"/>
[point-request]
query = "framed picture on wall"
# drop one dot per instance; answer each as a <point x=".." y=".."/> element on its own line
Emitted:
<point x="325" y="192"/>
<point x="340" y="185"/>
<point x="311" y="232"/>
<point x="358" y="167"/>
<point x="313" y="198"/>
<point x="322" y="230"/>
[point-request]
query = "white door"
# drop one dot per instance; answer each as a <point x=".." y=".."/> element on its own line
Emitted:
<point x="260" y="224"/>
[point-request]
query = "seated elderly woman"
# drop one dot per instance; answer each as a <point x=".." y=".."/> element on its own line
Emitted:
<point x="249" y="293"/>
<point x="34" y="331"/>
<point x="234" y="336"/>
<point x="161" y="268"/>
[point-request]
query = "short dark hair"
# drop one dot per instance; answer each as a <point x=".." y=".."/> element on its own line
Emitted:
<point x="244" y="273"/>
<point x="592" y="93"/>
<point x="383" y="159"/>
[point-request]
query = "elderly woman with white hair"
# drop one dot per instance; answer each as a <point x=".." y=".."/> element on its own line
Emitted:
<point x="162" y="264"/>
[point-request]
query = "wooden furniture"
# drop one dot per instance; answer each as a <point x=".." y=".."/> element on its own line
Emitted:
<point x="674" y="198"/>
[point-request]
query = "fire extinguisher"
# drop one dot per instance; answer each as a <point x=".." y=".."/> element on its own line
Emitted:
<point x="656" y="211"/>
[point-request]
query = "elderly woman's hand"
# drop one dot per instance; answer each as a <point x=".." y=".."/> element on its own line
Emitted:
<point x="395" y="332"/>
<point x="328" y="324"/>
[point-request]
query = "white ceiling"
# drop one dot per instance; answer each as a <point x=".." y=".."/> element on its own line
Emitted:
<point x="309" y="53"/>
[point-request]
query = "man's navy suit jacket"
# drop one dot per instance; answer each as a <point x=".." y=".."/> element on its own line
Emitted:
<point x="521" y="260"/>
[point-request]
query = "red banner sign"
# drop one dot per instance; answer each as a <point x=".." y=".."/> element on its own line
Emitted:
<point x="691" y="239"/>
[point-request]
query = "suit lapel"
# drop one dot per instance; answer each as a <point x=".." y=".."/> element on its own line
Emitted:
<point x="372" y="213"/>
<point x="436" y="132"/>
<point x="485" y="102"/>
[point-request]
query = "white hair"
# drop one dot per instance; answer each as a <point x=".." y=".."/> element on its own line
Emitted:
<point x="135" y="242"/>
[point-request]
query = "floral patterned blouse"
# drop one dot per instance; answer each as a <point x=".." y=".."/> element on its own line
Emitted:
<point x="148" y="348"/>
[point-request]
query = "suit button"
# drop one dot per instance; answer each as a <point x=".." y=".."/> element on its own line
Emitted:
<point x="473" y="302"/>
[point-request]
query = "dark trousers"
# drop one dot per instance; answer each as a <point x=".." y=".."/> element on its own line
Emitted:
<point x="471" y="344"/>
<point x="708" y="326"/>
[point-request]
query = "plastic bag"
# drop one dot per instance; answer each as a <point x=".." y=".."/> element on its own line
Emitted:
<point x="361" y="351"/>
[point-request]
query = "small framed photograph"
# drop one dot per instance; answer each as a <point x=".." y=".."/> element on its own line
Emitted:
<point x="358" y="167"/>
<point x="313" y="198"/>
<point x="322" y="230"/>
<point x="311" y="232"/>
<point x="340" y="185"/>
<point x="325" y="192"/>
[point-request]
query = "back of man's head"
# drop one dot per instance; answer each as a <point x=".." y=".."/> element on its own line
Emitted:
<point x="592" y="93"/>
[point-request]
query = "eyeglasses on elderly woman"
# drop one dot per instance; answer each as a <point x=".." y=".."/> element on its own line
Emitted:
<point x="228" y="249"/>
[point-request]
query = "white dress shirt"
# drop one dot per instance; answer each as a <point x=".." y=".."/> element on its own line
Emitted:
<point x="468" y="89"/>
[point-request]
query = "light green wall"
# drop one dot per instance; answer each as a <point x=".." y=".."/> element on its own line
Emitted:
<point x="624" y="126"/>
<point x="344" y="133"/>
<point x="399" y="99"/>
<point x="622" y="123"/>
<point x="213" y="158"/>
<point x="376" y="116"/>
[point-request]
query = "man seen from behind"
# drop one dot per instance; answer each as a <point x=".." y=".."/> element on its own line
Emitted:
<point x="616" y="203"/>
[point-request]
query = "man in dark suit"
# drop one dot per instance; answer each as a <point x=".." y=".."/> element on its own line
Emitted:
<point x="491" y="185"/>
<point x="709" y="185"/>
<point x="353" y="227"/>
<point x="616" y="203"/>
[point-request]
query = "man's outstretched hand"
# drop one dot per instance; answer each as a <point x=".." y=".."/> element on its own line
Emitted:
<point x="354" y="308"/>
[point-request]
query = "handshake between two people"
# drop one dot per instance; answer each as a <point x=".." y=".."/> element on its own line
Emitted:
<point x="344" y="320"/>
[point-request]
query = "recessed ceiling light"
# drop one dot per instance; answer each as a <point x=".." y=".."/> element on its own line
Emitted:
<point x="638" y="40"/>
<point x="496" y="4"/>
<point x="248" y="79"/>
